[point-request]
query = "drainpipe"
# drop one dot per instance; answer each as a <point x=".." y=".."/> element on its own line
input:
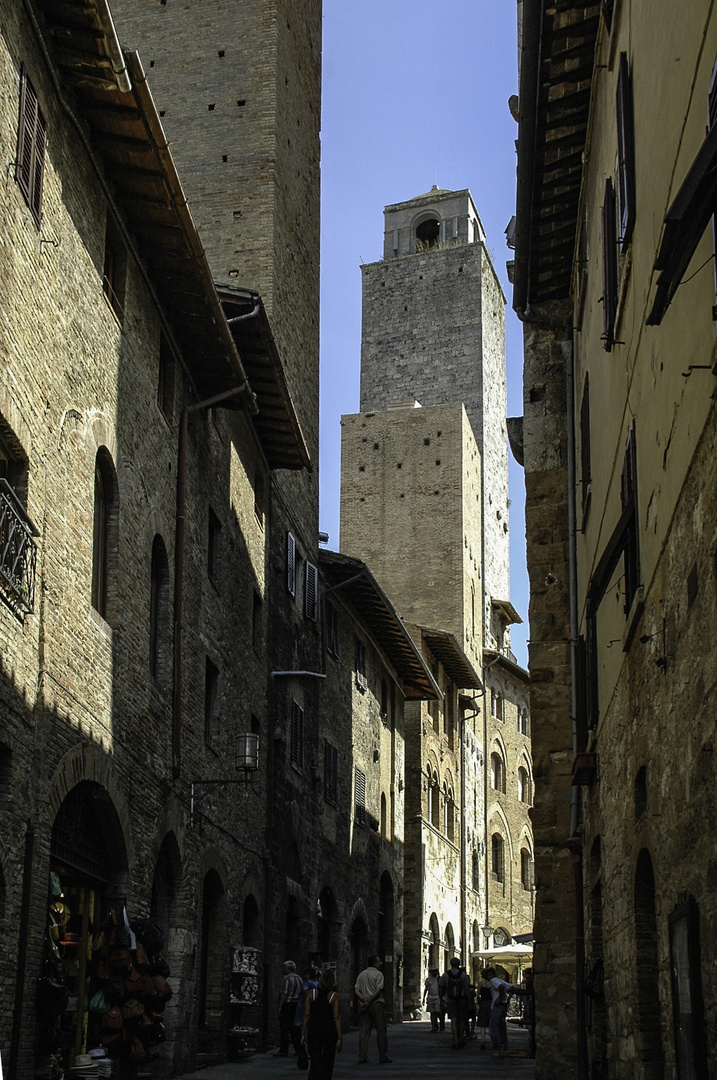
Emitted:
<point x="179" y="569"/>
<point x="465" y="948"/>
<point x="575" y="839"/>
<point x="114" y="48"/>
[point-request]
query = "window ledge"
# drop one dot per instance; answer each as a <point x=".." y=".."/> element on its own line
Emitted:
<point x="102" y="625"/>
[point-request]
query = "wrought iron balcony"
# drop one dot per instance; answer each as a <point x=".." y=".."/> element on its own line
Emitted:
<point x="18" y="552"/>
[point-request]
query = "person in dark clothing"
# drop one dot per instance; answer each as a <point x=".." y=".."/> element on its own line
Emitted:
<point x="321" y="1027"/>
<point x="484" y="1006"/>
<point x="454" y="986"/>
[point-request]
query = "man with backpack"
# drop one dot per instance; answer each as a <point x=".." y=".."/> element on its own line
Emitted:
<point x="454" y="988"/>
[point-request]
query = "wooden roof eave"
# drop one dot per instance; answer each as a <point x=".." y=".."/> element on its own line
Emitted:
<point x="385" y="625"/>
<point x="557" y="62"/>
<point x="276" y="419"/>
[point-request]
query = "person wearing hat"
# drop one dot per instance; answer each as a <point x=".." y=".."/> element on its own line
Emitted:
<point x="288" y="997"/>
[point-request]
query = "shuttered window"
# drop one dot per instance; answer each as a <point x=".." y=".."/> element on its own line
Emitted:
<point x="32" y="136"/>
<point x="360" y="664"/>
<point x="331" y="773"/>
<point x="609" y="266"/>
<point x="331" y="623"/>
<point x="625" y="154"/>
<point x="297" y="736"/>
<point x="585" y="463"/>
<point x="606" y="6"/>
<point x="291" y="564"/>
<point x="360" y="797"/>
<point x="628" y="485"/>
<point x="311" y="593"/>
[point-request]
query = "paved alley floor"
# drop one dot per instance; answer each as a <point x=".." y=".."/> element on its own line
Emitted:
<point x="415" y="1051"/>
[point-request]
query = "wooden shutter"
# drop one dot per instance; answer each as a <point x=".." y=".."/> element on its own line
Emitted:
<point x="585" y="463"/>
<point x="30" y="165"/>
<point x="331" y="773"/>
<point x="311" y="592"/>
<point x="609" y="266"/>
<point x="606" y="6"/>
<point x="297" y="736"/>
<point x="628" y="483"/>
<point x="625" y="154"/>
<point x="360" y="797"/>
<point x="331" y="623"/>
<point x="291" y="563"/>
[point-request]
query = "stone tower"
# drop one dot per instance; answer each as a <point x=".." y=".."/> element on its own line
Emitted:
<point x="238" y="90"/>
<point x="424" y="501"/>
<point x="434" y="333"/>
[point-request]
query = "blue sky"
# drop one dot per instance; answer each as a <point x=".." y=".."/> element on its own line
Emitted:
<point x="414" y="94"/>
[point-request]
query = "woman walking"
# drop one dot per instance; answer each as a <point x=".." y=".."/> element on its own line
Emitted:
<point x="321" y="1027"/>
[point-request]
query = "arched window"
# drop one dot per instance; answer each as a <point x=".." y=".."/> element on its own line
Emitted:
<point x="497" y="772"/>
<point x="427" y="234"/>
<point x="383" y="814"/>
<point x="104" y="536"/>
<point x="435" y="802"/>
<point x="475" y="871"/>
<point x="497" y="853"/>
<point x="496" y="704"/>
<point x="526" y="869"/>
<point x="448" y="815"/>
<point x="524" y="786"/>
<point x="159" y="612"/>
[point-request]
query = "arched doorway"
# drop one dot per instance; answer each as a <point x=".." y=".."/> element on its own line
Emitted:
<point x="450" y="950"/>
<point x="648" y="1030"/>
<point x="251" y="928"/>
<point x="88" y="879"/>
<point x="211" y="960"/>
<point x="434" y="949"/>
<point x="386" y="937"/>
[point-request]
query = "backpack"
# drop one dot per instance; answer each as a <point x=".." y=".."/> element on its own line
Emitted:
<point x="455" y="987"/>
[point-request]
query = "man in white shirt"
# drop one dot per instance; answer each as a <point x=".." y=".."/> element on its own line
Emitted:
<point x="498" y="1029"/>
<point x="369" y="991"/>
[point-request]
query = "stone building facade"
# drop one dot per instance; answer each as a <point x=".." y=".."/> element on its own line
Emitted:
<point x="618" y="441"/>
<point x="424" y="500"/>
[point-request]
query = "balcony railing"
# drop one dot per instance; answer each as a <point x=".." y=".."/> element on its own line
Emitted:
<point x="18" y="552"/>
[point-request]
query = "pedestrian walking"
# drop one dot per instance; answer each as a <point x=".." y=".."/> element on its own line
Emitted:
<point x="454" y="985"/>
<point x="321" y="1027"/>
<point x="369" y="991"/>
<point x="288" y="997"/>
<point x="432" y="999"/>
<point x="311" y="982"/>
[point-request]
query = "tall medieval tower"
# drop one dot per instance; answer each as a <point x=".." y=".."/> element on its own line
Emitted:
<point x="424" y="500"/>
<point x="238" y="90"/>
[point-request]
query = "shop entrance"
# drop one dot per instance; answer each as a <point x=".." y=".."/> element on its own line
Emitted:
<point x="88" y="877"/>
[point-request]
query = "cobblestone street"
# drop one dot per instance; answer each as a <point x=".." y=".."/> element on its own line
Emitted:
<point x="414" y="1052"/>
